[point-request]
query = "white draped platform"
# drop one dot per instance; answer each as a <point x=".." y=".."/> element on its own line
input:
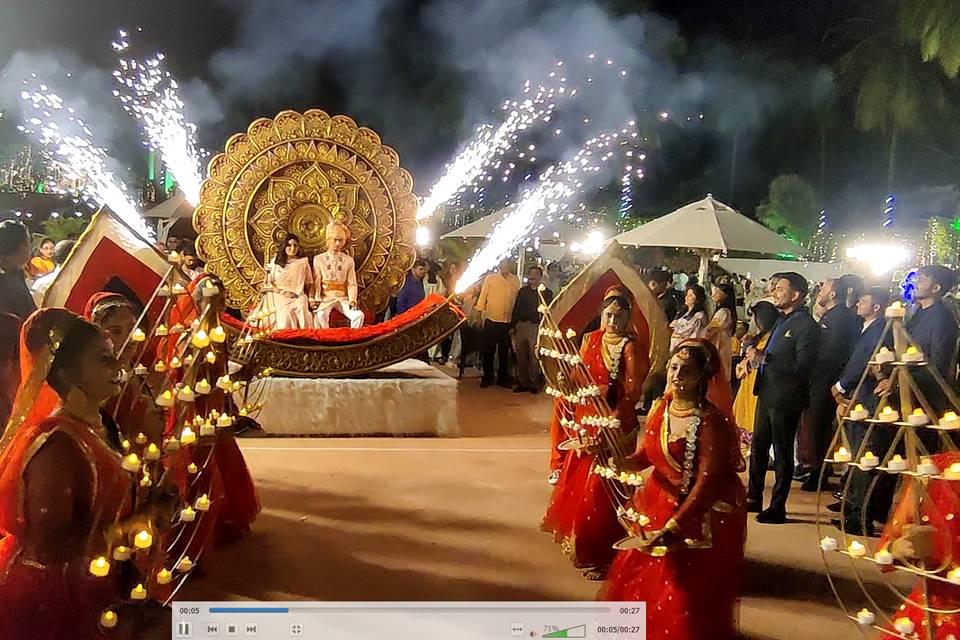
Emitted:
<point x="404" y="399"/>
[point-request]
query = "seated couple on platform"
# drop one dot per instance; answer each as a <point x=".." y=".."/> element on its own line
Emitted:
<point x="301" y="296"/>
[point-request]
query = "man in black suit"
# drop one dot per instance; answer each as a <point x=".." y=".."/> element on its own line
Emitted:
<point x="783" y="390"/>
<point x="839" y="330"/>
<point x="870" y="309"/>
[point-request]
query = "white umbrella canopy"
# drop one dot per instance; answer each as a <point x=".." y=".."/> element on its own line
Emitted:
<point x="556" y="230"/>
<point x="708" y="225"/>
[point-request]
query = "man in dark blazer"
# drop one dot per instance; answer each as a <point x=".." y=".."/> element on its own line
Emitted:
<point x="871" y="309"/>
<point x="783" y="392"/>
<point x="839" y="330"/>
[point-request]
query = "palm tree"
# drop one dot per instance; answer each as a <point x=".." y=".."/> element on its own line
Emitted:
<point x="935" y="25"/>
<point x="894" y="88"/>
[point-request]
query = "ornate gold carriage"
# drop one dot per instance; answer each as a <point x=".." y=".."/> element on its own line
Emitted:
<point x="295" y="173"/>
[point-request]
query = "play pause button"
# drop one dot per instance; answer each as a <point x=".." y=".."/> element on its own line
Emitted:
<point x="184" y="629"/>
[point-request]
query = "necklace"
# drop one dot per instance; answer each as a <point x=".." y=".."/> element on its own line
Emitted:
<point x="614" y="349"/>
<point x="690" y="450"/>
<point x="681" y="412"/>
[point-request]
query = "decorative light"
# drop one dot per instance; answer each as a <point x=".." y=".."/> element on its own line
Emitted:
<point x="880" y="258"/>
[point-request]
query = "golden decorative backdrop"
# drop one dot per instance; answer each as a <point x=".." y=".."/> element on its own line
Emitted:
<point x="295" y="173"/>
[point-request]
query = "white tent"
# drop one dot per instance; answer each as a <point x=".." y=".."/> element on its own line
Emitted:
<point x="168" y="212"/>
<point x="711" y="227"/>
<point x="548" y="231"/>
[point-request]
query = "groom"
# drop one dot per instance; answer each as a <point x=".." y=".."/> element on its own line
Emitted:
<point x="336" y="280"/>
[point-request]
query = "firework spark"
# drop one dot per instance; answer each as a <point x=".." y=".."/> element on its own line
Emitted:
<point x="489" y="143"/>
<point x="548" y="199"/>
<point x="68" y="142"/>
<point x="150" y="93"/>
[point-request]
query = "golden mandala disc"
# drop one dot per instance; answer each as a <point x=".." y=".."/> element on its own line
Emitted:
<point x="296" y="173"/>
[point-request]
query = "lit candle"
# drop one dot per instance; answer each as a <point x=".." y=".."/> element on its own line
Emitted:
<point x="162" y="329"/>
<point x="200" y="339"/>
<point x="243" y="412"/>
<point x="918" y="418"/>
<point x="884" y="356"/>
<point x="912" y="354"/>
<point x="203" y="387"/>
<point x="176" y="328"/>
<point x="856" y="549"/>
<point x="865" y="617"/>
<point x="140" y="369"/>
<point x="173" y="257"/>
<point x="211" y="357"/>
<point x="926" y="467"/>
<point x="186" y="394"/>
<point x="859" y="413"/>
<point x="99" y="567"/>
<point x="175" y="363"/>
<point x="217" y="334"/>
<point x="889" y="415"/>
<point x="164" y="576"/>
<point x="869" y="460"/>
<point x="125" y="445"/>
<point x="163" y="291"/>
<point x="159" y="366"/>
<point x="954" y="575"/>
<point x="138" y="593"/>
<point x="904" y="626"/>
<point x="187" y="514"/>
<point x="828" y="544"/>
<point x="138" y="335"/>
<point x="141" y="438"/>
<point x="571" y="333"/>
<point x="897" y="463"/>
<point x="178" y="289"/>
<point x="202" y="503"/>
<point x="950" y="420"/>
<point x="192" y="468"/>
<point x="108" y="619"/>
<point x="224" y="382"/>
<point x="187" y="436"/>
<point x="152" y="452"/>
<point x="952" y="472"/>
<point x="209" y="290"/>
<point x="883" y="557"/>
<point x="842" y="455"/>
<point x="145" y="481"/>
<point x="122" y="553"/>
<point x="131" y="463"/>
<point x="224" y="421"/>
<point x="896" y="310"/>
<point x="237" y="386"/>
<point x="172" y="444"/>
<point x="143" y="540"/>
<point x="165" y="399"/>
<point x="185" y="564"/>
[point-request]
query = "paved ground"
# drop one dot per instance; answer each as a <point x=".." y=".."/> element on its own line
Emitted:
<point x="430" y="519"/>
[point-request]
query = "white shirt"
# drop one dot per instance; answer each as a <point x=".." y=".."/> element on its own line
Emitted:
<point x="41" y="284"/>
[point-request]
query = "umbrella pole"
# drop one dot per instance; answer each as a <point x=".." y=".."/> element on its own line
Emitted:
<point x="704" y="267"/>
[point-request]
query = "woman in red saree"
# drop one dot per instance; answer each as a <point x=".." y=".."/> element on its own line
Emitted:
<point x="580" y="514"/>
<point x="684" y="556"/>
<point x="62" y="487"/>
<point x="935" y="542"/>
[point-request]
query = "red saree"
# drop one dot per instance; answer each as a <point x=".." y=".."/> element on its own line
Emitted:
<point x="937" y="507"/>
<point x="62" y="602"/>
<point x="692" y="590"/>
<point x="580" y="515"/>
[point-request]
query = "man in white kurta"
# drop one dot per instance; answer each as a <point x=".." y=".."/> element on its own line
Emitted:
<point x="335" y="278"/>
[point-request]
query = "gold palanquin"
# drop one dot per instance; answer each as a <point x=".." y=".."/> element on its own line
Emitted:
<point x="296" y="173"/>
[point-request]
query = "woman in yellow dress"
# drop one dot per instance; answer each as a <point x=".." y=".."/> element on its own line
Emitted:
<point x="745" y="404"/>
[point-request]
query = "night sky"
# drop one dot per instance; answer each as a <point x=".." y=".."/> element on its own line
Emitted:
<point x="422" y="105"/>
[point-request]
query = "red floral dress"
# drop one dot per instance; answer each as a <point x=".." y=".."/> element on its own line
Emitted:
<point x="61" y="602"/>
<point x="580" y="514"/>
<point x="938" y="507"/>
<point x="691" y="583"/>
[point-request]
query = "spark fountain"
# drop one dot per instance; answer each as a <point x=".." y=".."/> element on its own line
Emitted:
<point x="69" y="143"/>
<point x="490" y="143"/>
<point x="150" y="93"/>
<point x="549" y="198"/>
